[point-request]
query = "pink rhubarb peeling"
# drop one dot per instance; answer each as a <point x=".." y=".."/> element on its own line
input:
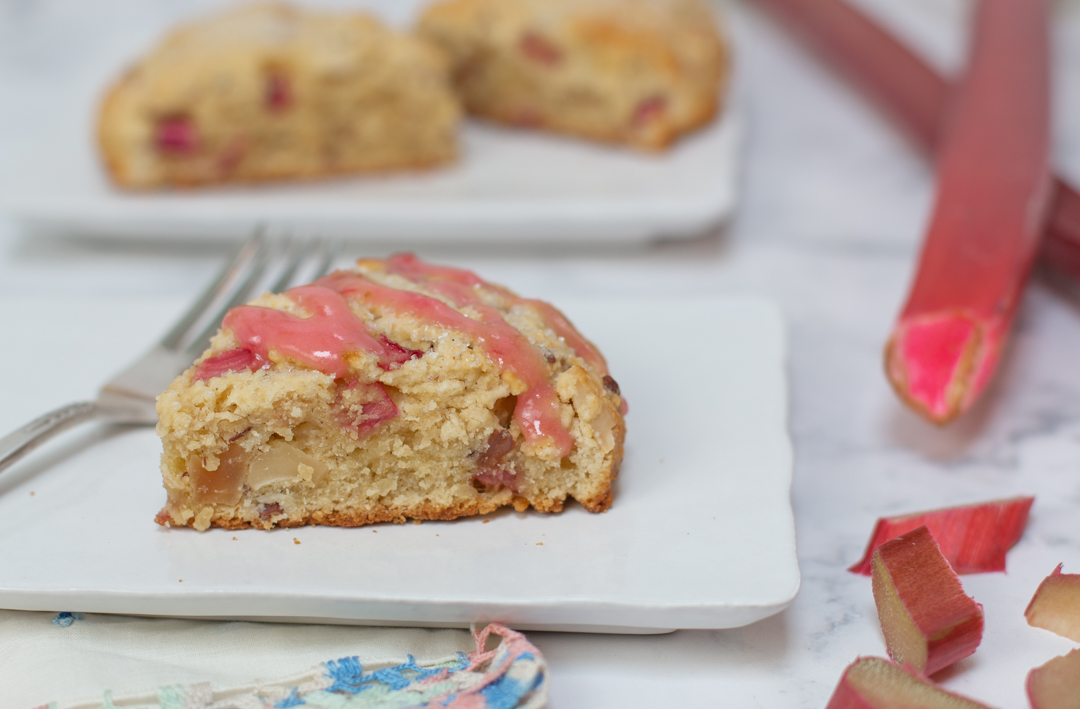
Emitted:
<point x="1055" y="685"/>
<point x="1056" y="605"/>
<point x="973" y="538"/>
<point x="875" y="683"/>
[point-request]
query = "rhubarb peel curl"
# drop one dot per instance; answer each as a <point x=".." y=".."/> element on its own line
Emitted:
<point x="1056" y="605"/>
<point x="876" y="683"/>
<point x="973" y="538"/>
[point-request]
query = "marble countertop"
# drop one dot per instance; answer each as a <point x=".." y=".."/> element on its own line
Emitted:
<point x="832" y="208"/>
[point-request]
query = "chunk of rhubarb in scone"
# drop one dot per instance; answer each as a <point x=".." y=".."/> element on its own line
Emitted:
<point x="874" y="683"/>
<point x="1056" y="685"/>
<point x="973" y="538"/>
<point x="1056" y="605"/>
<point x="927" y="619"/>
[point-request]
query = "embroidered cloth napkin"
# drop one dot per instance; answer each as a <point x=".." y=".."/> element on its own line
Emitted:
<point x="71" y="661"/>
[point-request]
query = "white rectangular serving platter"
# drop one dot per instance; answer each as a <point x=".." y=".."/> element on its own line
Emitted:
<point x="701" y="534"/>
<point x="509" y="186"/>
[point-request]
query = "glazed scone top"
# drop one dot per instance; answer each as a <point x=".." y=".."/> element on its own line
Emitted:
<point x="230" y="55"/>
<point x="675" y="38"/>
<point x="362" y="324"/>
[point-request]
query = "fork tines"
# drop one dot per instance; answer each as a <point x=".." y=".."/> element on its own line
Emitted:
<point x="262" y="264"/>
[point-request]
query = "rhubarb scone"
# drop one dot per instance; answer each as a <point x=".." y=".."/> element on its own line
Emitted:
<point x="272" y="92"/>
<point x="638" y="72"/>
<point x="390" y="391"/>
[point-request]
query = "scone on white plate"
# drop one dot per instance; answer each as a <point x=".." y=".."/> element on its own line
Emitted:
<point x="638" y="72"/>
<point x="395" y="390"/>
<point x="271" y="92"/>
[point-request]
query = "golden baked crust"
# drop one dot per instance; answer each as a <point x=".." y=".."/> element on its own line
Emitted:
<point x="639" y="72"/>
<point x="270" y="92"/>
<point x="275" y="443"/>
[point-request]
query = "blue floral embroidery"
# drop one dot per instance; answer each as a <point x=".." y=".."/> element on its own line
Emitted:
<point x="65" y="619"/>
<point x="293" y="700"/>
<point x="348" y="675"/>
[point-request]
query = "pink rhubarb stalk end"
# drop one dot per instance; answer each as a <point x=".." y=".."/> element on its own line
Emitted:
<point x="939" y="364"/>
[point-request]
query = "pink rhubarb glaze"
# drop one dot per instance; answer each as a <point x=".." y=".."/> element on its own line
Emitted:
<point x="537" y="410"/>
<point x="323" y="339"/>
<point x="320" y="341"/>
<point x="460" y="287"/>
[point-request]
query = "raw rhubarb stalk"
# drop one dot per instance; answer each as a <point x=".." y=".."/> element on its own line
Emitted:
<point x="927" y="619"/>
<point x="992" y="199"/>
<point x="973" y="538"/>
<point x="1056" y="685"/>
<point x="1056" y="605"/>
<point x="875" y="683"/>
<point x="914" y="93"/>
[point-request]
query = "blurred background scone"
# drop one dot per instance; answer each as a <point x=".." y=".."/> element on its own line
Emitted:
<point x="640" y="72"/>
<point x="271" y="92"/>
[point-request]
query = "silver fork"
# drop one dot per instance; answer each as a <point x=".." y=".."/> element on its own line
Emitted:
<point x="130" y="396"/>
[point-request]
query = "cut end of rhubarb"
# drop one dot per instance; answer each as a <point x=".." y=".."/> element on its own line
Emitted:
<point x="1056" y="605"/>
<point x="1055" y="685"/>
<point x="927" y="619"/>
<point x="875" y="683"/>
<point x="973" y="538"/>
<point x="935" y="363"/>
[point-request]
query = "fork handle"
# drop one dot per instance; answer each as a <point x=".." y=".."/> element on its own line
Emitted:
<point x="15" y="445"/>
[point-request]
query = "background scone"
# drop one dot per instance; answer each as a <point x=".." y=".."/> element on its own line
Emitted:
<point x="396" y="390"/>
<point x="640" y="72"/>
<point x="271" y="92"/>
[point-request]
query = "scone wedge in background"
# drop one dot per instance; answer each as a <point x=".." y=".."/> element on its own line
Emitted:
<point x="638" y="72"/>
<point x="269" y="92"/>
<point x="393" y="390"/>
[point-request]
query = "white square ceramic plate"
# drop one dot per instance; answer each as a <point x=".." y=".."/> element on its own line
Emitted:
<point x="700" y="535"/>
<point x="509" y="186"/>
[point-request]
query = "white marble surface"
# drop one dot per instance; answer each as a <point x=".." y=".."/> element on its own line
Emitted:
<point x="832" y="209"/>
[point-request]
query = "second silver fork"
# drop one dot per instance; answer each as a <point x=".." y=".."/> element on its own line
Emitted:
<point x="261" y="264"/>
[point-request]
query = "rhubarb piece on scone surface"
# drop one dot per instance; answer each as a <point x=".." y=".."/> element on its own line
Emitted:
<point x="271" y="92"/>
<point x="927" y="619"/>
<point x="392" y="390"/>
<point x="874" y="683"/>
<point x="637" y="72"/>
<point x="1056" y="605"/>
